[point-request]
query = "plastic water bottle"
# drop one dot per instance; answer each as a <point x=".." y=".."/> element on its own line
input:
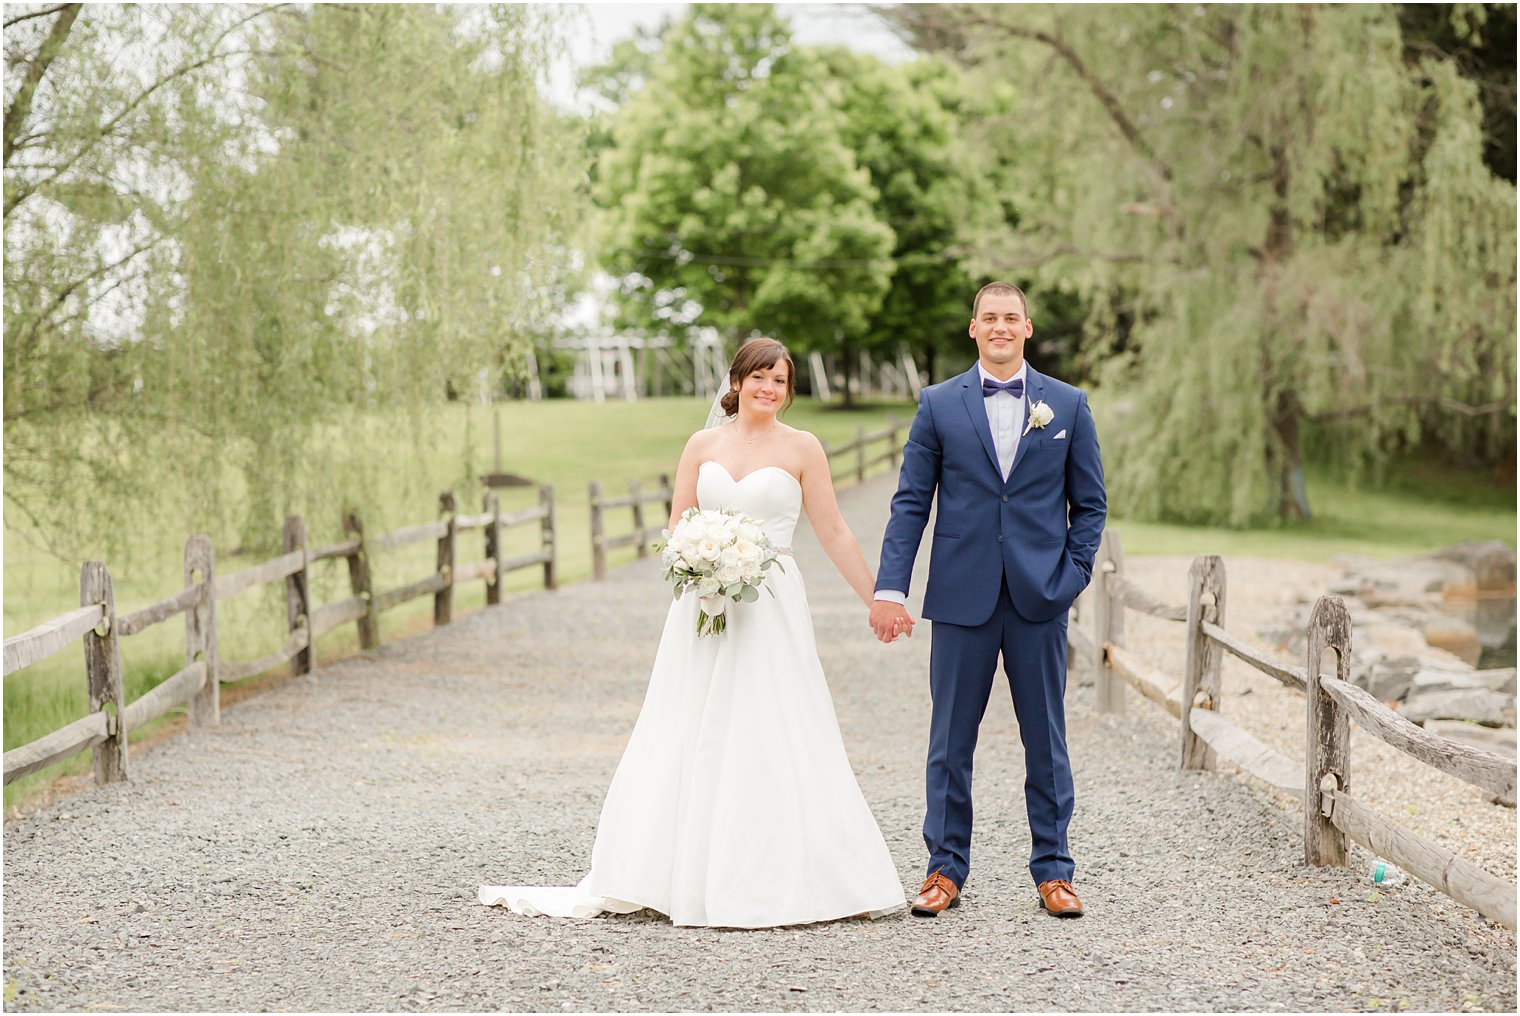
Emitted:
<point x="1385" y="875"/>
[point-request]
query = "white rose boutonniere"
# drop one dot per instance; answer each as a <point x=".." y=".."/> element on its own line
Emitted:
<point x="1039" y="415"/>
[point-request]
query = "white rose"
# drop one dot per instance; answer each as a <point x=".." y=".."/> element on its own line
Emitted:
<point x="1039" y="415"/>
<point x="729" y="557"/>
<point x="747" y="551"/>
<point x="708" y="586"/>
<point x="708" y="549"/>
<point x="750" y="532"/>
<point x="728" y="575"/>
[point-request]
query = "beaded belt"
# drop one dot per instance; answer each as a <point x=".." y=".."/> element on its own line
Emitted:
<point x="783" y="550"/>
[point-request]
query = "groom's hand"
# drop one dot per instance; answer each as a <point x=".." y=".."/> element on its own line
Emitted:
<point x="890" y="619"/>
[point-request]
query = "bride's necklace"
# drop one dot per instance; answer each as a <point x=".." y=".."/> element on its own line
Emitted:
<point x="752" y="440"/>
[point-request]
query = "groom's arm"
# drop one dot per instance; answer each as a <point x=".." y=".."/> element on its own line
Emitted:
<point x="916" y="483"/>
<point x="1086" y="499"/>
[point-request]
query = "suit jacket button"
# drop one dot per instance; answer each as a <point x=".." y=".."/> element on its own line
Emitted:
<point x="1000" y="539"/>
<point x="1005" y="498"/>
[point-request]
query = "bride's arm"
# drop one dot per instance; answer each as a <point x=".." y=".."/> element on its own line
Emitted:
<point x="684" y="495"/>
<point x="828" y="525"/>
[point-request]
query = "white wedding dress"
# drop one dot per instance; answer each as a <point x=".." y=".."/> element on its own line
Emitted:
<point x="734" y="804"/>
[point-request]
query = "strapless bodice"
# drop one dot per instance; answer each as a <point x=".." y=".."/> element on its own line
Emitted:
<point x="769" y="494"/>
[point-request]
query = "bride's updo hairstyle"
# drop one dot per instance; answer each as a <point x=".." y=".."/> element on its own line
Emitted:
<point x="758" y="354"/>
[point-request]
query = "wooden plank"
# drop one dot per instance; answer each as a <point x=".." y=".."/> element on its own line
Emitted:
<point x="408" y="535"/>
<point x="530" y="514"/>
<point x="344" y="548"/>
<point x="1109" y="617"/>
<point x="1201" y="666"/>
<point x="298" y="594"/>
<point x="57" y="746"/>
<point x="131" y="624"/>
<point x="1293" y="677"/>
<point x="297" y="641"/>
<point x="1080" y="641"/>
<point x="1494" y="773"/>
<point x="102" y="666"/>
<point x="547" y="538"/>
<point x="360" y="582"/>
<point x="621" y="501"/>
<point x="598" y="532"/>
<point x="1146" y="679"/>
<point x="1136" y="598"/>
<point x="1327" y="732"/>
<point x="165" y="696"/>
<point x="269" y="571"/>
<point x="472" y="570"/>
<point x="443" y="599"/>
<point x="50" y="637"/>
<point x="465" y="523"/>
<point x="525" y="560"/>
<point x="422" y="587"/>
<point x="1429" y="862"/>
<point x="325" y="619"/>
<point x="200" y="631"/>
<point x="1235" y="745"/>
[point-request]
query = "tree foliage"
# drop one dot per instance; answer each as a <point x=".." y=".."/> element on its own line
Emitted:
<point x="233" y="230"/>
<point x="1278" y="219"/>
<point x="811" y="193"/>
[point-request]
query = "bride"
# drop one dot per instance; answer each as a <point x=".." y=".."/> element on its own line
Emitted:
<point x="734" y="804"/>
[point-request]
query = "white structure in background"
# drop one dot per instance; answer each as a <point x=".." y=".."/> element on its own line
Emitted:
<point x="624" y="366"/>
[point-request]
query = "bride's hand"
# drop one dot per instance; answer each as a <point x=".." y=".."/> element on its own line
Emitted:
<point x="890" y="619"/>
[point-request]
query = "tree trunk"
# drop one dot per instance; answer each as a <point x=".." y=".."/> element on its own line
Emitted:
<point x="846" y="354"/>
<point x="1284" y="448"/>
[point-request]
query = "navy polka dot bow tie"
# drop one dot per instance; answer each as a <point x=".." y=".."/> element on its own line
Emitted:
<point x="1014" y="387"/>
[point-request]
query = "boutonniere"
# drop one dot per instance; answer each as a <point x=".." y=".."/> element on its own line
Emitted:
<point x="1039" y="415"/>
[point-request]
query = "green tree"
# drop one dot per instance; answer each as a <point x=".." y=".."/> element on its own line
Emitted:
<point x="733" y="197"/>
<point x="232" y="231"/>
<point x="1277" y="219"/>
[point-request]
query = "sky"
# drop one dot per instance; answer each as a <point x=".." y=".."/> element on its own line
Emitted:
<point x="595" y="28"/>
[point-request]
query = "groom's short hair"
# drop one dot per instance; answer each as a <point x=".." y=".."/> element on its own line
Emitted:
<point x="999" y="289"/>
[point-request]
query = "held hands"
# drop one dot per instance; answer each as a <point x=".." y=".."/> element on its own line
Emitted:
<point x="890" y="619"/>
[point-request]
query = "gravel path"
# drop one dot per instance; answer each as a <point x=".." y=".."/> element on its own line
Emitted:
<point x="321" y="851"/>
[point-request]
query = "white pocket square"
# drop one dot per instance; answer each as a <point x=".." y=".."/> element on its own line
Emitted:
<point x="1060" y="437"/>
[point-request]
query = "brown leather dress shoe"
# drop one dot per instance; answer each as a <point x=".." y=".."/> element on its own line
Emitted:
<point x="1059" y="899"/>
<point x="936" y="894"/>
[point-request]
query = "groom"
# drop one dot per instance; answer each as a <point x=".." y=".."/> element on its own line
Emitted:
<point x="1012" y="457"/>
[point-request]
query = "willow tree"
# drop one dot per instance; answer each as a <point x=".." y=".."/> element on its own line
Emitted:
<point x="232" y="231"/>
<point x="1277" y="219"/>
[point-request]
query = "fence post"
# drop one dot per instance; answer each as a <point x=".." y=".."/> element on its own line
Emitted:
<point x="670" y="496"/>
<point x="443" y="600"/>
<point x="893" y="445"/>
<point x="636" y="495"/>
<point x="298" y="596"/>
<point x="598" y="546"/>
<point x="548" y="538"/>
<point x="860" y="455"/>
<point x="200" y="631"/>
<point x="1327" y="734"/>
<point x="495" y="550"/>
<point x="1200" y="671"/>
<point x="1108" y="627"/>
<point x="360" y="582"/>
<point x="102" y="664"/>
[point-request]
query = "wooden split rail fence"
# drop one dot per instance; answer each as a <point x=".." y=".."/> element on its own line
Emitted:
<point x="1323" y="778"/>
<point x="111" y="718"/>
<point x="849" y="461"/>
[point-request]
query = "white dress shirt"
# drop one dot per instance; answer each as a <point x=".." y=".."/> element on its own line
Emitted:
<point x="1005" y="415"/>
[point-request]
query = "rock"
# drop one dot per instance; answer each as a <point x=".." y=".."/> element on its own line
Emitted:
<point x="1455" y="636"/>
<point x="1500" y="741"/>
<point x="1476" y="704"/>
<point x="1491" y="562"/>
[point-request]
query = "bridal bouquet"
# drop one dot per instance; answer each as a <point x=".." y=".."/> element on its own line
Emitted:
<point x="723" y="555"/>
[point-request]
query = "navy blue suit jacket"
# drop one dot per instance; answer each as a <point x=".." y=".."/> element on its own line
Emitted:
<point x="1039" y="529"/>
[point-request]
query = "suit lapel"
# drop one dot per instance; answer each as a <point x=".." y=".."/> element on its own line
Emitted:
<point x="1034" y="385"/>
<point x="976" y="408"/>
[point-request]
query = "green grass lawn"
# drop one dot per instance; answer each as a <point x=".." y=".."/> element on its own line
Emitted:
<point x="567" y="444"/>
